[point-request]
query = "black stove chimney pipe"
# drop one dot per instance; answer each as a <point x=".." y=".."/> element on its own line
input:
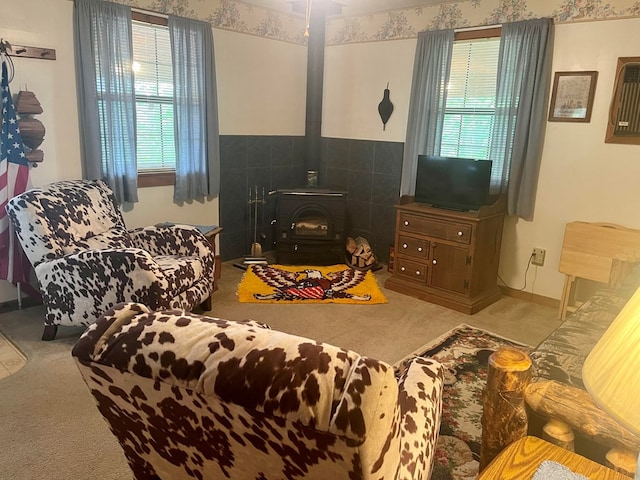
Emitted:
<point x="315" y="78"/>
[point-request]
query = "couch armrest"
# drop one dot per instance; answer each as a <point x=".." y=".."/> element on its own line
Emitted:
<point x="173" y="240"/>
<point x="576" y="408"/>
<point x="420" y="399"/>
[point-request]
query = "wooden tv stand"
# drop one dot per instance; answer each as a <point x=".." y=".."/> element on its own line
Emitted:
<point x="448" y="257"/>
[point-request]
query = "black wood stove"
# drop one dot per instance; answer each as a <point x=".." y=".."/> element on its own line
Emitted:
<point x="310" y="226"/>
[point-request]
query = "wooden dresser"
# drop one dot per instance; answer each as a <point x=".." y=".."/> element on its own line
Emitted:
<point x="447" y="257"/>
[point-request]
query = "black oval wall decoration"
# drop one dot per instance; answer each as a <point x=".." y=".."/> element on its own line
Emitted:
<point x="385" y="108"/>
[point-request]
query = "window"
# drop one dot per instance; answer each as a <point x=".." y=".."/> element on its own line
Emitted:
<point x="153" y="71"/>
<point x="471" y="94"/>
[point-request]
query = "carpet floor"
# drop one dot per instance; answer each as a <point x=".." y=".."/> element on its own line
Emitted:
<point x="464" y="352"/>
<point x="55" y="432"/>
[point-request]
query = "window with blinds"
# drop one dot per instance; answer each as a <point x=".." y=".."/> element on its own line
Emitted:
<point x="471" y="99"/>
<point x="153" y="71"/>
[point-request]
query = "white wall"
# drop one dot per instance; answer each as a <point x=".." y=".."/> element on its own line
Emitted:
<point x="581" y="177"/>
<point x="355" y="77"/>
<point x="261" y="85"/>
<point x="261" y="91"/>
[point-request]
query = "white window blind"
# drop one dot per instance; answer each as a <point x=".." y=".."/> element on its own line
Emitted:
<point x="471" y="95"/>
<point x="154" y="97"/>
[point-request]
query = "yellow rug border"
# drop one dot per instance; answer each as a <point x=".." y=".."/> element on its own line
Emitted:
<point x="251" y="284"/>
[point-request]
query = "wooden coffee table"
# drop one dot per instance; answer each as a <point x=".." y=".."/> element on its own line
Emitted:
<point x="521" y="459"/>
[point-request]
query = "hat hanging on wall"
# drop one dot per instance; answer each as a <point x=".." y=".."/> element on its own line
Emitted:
<point x="385" y="108"/>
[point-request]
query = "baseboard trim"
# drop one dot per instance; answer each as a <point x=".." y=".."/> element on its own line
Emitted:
<point x="530" y="297"/>
<point x="12" y="305"/>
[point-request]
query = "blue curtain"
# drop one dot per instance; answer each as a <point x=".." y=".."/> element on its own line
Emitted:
<point x="106" y="98"/>
<point x="524" y="76"/>
<point x="196" y="109"/>
<point x="426" y="105"/>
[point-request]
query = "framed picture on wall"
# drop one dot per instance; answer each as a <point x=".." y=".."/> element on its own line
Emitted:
<point x="572" y="96"/>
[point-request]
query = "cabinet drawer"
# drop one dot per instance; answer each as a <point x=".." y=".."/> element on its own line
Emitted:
<point x="415" y="247"/>
<point x="452" y="231"/>
<point x="411" y="270"/>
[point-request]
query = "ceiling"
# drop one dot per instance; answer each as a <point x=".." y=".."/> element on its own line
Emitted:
<point x="352" y="7"/>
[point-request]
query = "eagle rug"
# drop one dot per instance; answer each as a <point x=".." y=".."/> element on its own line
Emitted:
<point x="306" y="284"/>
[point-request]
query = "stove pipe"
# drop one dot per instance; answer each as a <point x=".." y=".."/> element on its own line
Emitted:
<point x="315" y="76"/>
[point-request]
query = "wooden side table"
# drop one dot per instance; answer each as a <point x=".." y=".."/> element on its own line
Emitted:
<point x="521" y="459"/>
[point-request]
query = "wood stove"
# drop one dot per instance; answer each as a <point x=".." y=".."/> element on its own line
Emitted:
<point x="310" y="227"/>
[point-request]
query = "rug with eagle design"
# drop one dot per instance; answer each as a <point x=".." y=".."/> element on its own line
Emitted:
<point x="309" y="284"/>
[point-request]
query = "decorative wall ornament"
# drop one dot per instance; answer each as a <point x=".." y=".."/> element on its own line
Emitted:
<point x="385" y="108"/>
<point x="32" y="129"/>
<point x="572" y="96"/>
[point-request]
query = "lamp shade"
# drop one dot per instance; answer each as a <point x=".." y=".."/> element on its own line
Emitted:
<point x="611" y="372"/>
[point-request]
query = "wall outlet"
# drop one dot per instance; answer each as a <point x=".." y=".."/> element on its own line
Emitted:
<point x="538" y="256"/>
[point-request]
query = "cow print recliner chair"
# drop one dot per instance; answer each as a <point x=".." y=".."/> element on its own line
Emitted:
<point x="86" y="261"/>
<point x="190" y="396"/>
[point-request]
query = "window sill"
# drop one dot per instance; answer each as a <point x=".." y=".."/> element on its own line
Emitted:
<point x="156" y="179"/>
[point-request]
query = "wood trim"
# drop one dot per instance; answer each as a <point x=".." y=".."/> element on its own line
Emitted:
<point x="478" y="34"/>
<point x="149" y="18"/>
<point x="530" y="297"/>
<point x="156" y="179"/>
<point x="29" y="52"/>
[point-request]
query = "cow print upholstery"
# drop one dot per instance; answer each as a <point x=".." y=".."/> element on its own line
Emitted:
<point x="190" y="396"/>
<point x="86" y="261"/>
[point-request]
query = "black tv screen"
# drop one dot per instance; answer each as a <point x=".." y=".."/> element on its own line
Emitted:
<point x="454" y="183"/>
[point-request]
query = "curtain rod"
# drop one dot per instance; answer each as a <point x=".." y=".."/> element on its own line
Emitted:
<point x="138" y="9"/>
<point x="477" y="27"/>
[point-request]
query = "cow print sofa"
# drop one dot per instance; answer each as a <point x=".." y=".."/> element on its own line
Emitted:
<point x="190" y="396"/>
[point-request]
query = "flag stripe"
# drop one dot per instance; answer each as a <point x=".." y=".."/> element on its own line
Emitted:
<point x="14" y="179"/>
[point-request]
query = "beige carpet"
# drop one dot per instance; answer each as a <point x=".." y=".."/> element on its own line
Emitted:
<point x="50" y="428"/>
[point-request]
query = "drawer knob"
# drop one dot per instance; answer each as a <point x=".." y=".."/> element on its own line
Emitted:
<point x="402" y="269"/>
<point x="419" y="249"/>
<point x="406" y="223"/>
<point x="404" y="245"/>
<point x="418" y="273"/>
<point x="460" y="234"/>
<point x="435" y="262"/>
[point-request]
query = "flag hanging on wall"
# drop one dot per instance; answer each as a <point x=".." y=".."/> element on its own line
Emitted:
<point x="14" y="179"/>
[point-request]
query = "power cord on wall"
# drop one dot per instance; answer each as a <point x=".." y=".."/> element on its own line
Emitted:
<point x="525" y="277"/>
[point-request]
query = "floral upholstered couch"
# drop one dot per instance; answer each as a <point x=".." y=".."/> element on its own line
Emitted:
<point x="190" y="396"/>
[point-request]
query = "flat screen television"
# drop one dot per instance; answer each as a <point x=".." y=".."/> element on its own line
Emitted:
<point x="453" y="183"/>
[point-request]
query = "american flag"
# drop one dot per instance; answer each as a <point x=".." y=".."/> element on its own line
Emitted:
<point x="14" y="179"/>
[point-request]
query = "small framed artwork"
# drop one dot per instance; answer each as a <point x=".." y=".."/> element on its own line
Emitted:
<point x="572" y="96"/>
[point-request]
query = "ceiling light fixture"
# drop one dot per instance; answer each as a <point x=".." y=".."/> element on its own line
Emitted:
<point x="308" y="18"/>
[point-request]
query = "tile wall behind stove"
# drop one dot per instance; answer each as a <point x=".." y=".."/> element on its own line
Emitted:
<point x="369" y="171"/>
